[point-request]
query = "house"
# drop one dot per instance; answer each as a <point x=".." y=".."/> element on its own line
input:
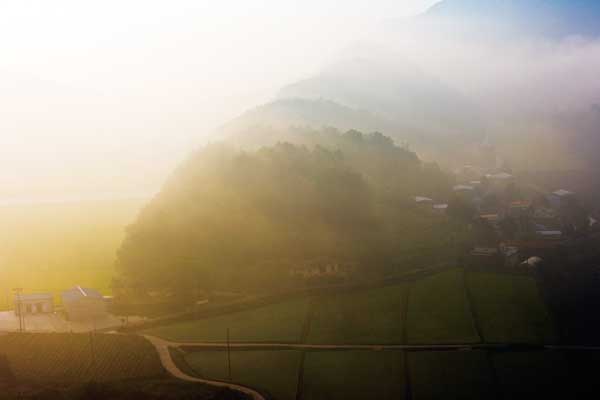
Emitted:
<point x="561" y="198"/>
<point x="499" y="182"/>
<point x="321" y="269"/>
<point x="84" y="304"/>
<point x="463" y="189"/>
<point x="485" y="251"/>
<point x="532" y="262"/>
<point x="520" y="208"/>
<point x="550" y="235"/>
<point x="511" y="256"/>
<point x="440" y="209"/>
<point x="35" y="303"/>
<point x="423" y="201"/>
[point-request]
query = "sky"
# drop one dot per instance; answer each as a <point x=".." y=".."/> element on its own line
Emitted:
<point x="103" y="99"/>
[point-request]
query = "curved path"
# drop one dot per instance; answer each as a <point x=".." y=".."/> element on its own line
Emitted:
<point x="162" y="347"/>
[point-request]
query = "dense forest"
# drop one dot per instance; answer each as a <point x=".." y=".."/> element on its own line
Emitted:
<point x="230" y="218"/>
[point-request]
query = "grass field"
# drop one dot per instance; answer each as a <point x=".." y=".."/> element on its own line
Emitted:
<point x="438" y="311"/>
<point x="527" y="375"/>
<point x="273" y="371"/>
<point x="450" y="375"/>
<point x="359" y="317"/>
<point x="281" y="322"/>
<point x="72" y="358"/>
<point x="353" y="375"/>
<point x="509" y="308"/>
<point x="52" y="247"/>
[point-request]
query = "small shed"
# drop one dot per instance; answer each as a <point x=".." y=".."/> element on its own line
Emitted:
<point x="561" y="198"/>
<point x="423" y="201"/>
<point x="440" y="209"/>
<point x="84" y="304"/>
<point x="34" y="303"/>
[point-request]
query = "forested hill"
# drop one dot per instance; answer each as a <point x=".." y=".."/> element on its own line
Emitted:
<point x="242" y="219"/>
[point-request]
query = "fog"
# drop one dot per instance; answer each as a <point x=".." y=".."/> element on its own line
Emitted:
<point x="103" y="99"/>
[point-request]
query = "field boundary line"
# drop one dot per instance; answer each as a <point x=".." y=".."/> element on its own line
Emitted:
<point x="300" y="383"/>
<point x="471" y="306"/>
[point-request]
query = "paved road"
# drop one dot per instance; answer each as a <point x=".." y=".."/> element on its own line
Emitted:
<point x="375" y="347"/>
<point x="162" y="347"/>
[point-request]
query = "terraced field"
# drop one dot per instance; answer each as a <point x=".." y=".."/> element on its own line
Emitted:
<point x="509" y="309"/>
<point x="280" y="323"/>
<point x="73" y="358"/>
<point x="438" y="311"/>
<point x="451" y="375"/>
<point x="275" y="372"/>
<point x="359" y="317"/>
<point x="353" y="375"/>
<point x="526" y="375"/>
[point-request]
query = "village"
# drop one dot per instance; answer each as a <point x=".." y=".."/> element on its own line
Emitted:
<point x="515" y="224"/>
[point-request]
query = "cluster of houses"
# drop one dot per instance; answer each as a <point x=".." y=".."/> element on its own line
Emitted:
<point x="430" y="204"/>
<point x="79" y="304"/>
<point x="322" y="268"/>
<point x="516" y="224"/>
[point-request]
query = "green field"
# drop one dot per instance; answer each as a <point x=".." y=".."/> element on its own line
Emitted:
<point x="276" y="372"/>
<point x="438" y="311"/>
<point x="52" y="247"/>
<point x="281" y="323"/>
<point x="73" y="358"/>
<point x="450" y="375"/>
<point x="526" y="375"/>
<point x="509" y="308"/>
<point x="359" y="317"/>
<point x="353" y="375"/>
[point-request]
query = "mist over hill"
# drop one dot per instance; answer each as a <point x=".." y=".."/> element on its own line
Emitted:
<point x="521" y="75"/>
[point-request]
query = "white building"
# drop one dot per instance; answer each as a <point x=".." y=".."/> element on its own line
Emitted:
<point x="35" y="303"/>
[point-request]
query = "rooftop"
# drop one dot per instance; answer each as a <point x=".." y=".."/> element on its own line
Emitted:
<point x="461" y="188"/>
<point x="34" y="296"/>
<point x="422" y="199"/>
<point x="562" y="193"/>
<point x="501" y="175"/>
<point x="79" y="292"/>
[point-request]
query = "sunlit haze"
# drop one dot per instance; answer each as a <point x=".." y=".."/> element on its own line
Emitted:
<point x="103" y="99"/>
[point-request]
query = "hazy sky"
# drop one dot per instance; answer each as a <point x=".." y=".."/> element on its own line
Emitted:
<point x="102" y="98"/>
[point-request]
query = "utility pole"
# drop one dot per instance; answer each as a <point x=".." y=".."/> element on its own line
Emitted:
<point x="93" y="360"/>
<point x="229" y="356"/>
<point x="19" y="308"/>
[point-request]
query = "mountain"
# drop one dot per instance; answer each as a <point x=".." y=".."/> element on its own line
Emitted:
<point x="393" y="87"/>
<point x="290" y="120"/>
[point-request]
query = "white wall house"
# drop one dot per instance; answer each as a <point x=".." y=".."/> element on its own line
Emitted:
<point x="35" y="303"/>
